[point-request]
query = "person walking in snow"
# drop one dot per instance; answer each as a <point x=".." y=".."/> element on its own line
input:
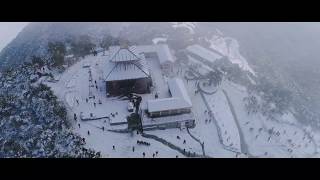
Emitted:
<point x="102" y="128"/>
<point x="94" y="104"/>
<point x="156" y="153"/>
<point x="88" y="132"/>
<point x="184" y="141"/>
<point x="79" y="125"/>
<point x="77" y="101"/>
<point x="113" y="147"/>
<point x="144" y="154"/>
<point x="153" y="155"/>
<point x="132" y="148"/>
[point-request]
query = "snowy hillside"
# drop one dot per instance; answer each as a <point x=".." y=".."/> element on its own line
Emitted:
<point x="55" y="96"/>
<point x="227" y="131"/>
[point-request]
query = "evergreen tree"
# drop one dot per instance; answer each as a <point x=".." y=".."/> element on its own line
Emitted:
<point x="57" y="51"/>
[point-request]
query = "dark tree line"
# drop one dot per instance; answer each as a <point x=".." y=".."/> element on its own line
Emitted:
<point x="57" y="52"/>
<point x="215" y="77"/>
<point x="274" y="99"/>
<point x="82" y="45"/>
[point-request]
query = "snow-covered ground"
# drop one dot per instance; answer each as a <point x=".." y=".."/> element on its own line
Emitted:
<point x="205" y="131"/>
<point x="74" y="86"/>
<point x="158" y="40"/>
<point x="226" y="122"/>
<point x="268" y="138"/>
<point x="263" y="138"/>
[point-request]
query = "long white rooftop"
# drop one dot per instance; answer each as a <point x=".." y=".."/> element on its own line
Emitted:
<point x="203" y="52"/>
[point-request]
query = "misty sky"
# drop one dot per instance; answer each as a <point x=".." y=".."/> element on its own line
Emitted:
<point x="8" y="31"/>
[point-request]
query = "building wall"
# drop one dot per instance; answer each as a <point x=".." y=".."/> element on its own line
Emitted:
<point x="140" y="86"/>
<point x="170" y="112"/>
<point x="176" y="124"/>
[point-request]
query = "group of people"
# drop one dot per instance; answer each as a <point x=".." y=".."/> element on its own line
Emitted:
<point x="153" y="154"/>
<point x="143" y="143"/>
<point x="184" y="141"/>
<point x="208" y="121"/>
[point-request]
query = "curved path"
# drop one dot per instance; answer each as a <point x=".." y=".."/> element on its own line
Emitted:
<point x="172" y="146"/>
<point x="206" y="92"/>
<point x="198" y="140"/>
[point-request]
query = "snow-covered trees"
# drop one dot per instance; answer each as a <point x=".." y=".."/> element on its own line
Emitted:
<point x="82" y="45"/>
<point x="33" y="123"/>
<point x="215" y="77"/>
<point x="273" y="100"/>
<point x="107" y="40"/>
<point x="251" y="104"/>
<point x="134" y="122"/>
<point x="57" y="51"/>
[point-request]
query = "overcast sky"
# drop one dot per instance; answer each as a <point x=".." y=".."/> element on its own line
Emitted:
<point x="8" y="31"/>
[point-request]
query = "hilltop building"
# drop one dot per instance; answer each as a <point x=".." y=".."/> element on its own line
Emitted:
<point x="127" y="72"/>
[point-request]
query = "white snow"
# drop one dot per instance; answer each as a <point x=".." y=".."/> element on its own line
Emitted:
<point x="226" y="122"/>
<point x="159" y="40"/>
<point x="229" y="47"/>
<point x="135" y="67"/>
<point x="189" y="25"/>
<point x="256" y="130"/>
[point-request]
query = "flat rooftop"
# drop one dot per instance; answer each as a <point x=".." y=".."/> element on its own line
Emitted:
<point x="179" y="100"/>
